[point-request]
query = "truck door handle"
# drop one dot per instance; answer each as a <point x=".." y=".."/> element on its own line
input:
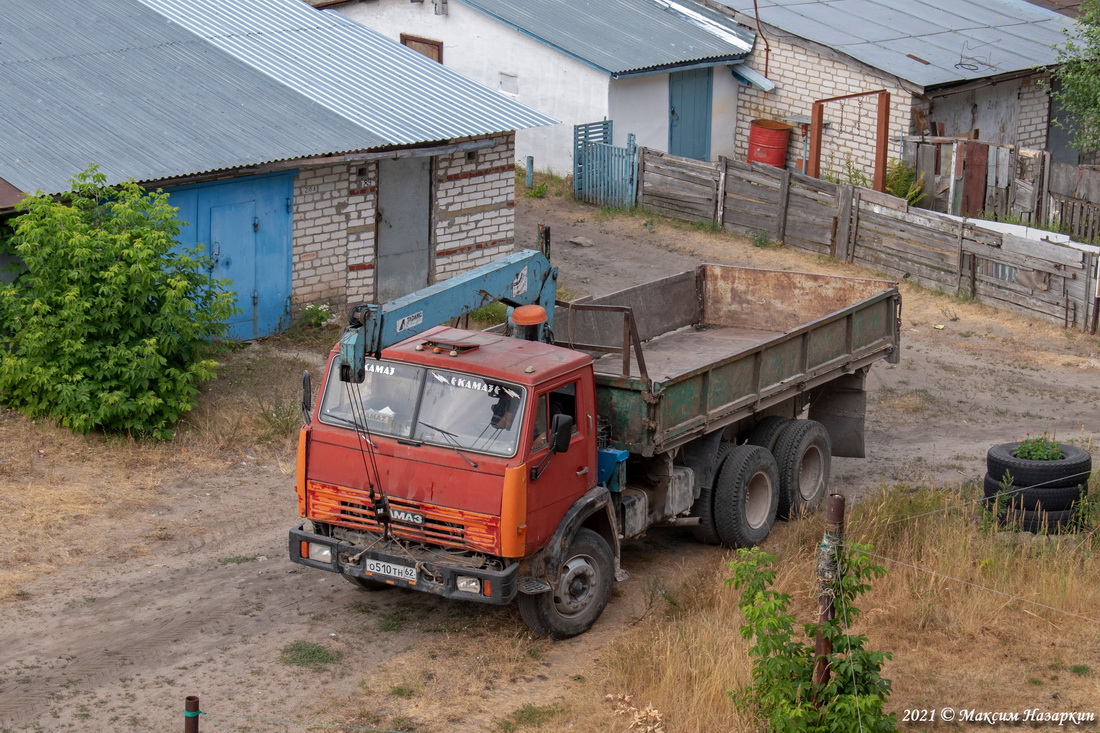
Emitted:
<point x="583" y="471"/>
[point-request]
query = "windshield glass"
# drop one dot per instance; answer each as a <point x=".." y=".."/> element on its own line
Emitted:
<point x="442" y="407"/>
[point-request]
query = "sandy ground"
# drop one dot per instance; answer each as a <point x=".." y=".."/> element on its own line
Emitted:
<point x="115" y="641"/>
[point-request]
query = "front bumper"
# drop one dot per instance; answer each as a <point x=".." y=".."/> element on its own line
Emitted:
<point x="441" y="579"/>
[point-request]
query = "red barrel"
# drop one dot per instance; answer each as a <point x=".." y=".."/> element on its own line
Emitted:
<point x="768" y="142"/>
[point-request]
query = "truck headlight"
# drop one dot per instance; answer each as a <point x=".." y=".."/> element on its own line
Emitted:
<point x="466" y="584"/>
<point x="320" y="553"/>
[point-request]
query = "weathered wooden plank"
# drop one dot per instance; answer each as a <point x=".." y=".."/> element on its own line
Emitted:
<point x="813" y="197"/>
<point x="814" y="184"/>
<point x="783" y="206"/>
<point x="907" y="249"/>
<point x="1049" y="251"/>
<point x="878" y="198"/>
<point x="926" y="166"/>
<point x="905" y="269"/>
<point x="759" y="177"/>
<point x="916" y="217"/>
<point x="889" y="223"/>
<point x="806" y="245"/>
<point x="995" y="254"/>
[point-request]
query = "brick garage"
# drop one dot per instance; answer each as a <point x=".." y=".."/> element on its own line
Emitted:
<point x="335" y="207"/>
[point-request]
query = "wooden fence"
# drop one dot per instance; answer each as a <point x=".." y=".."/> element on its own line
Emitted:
<point x="1055" y="281"/>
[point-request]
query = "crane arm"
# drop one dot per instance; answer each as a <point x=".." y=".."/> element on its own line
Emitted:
<point x="522" y="278"/>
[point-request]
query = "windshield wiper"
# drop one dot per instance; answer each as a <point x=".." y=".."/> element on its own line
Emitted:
<point x="352" y="424"/>
<point x="452" y="439"/>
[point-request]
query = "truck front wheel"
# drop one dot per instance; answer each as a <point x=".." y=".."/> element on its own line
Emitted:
<point x="580" y="593"/>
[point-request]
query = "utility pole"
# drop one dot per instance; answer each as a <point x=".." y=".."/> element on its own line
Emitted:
<point x="828" y="574"/>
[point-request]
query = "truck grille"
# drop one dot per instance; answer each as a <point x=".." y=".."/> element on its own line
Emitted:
<point x="443" y="526"/>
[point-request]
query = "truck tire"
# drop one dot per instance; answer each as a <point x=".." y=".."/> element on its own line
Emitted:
<point x="706" y="531"/>
<point x="1071" y="469"/>
<point x="766" y="432"/>
<point x="804" y="454"/>
<point x="746" y="496"/>
<point x="580" y="593"/>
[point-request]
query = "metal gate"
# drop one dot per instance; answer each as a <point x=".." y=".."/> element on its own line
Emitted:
<point x="603" y="174"/>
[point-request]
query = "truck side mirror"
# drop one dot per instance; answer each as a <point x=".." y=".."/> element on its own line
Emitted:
<point x="307" y="396"/>
<point x="561" y="429"/>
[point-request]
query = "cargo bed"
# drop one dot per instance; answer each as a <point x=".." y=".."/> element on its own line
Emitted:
<point x="709" y="347"/>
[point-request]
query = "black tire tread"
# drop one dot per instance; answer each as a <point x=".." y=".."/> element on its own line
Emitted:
<point x="539" y="611"/>
<point x="706" y="531"/>
<point x="737" y="470"/>
<point x="794" y="440"/>
<point x="765" y="433"/>
<point x="1049" y="498"/>
<point x="1072" y="469"/>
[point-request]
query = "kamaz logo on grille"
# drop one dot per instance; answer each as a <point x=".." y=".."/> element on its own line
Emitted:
<point x="403" y="516"/>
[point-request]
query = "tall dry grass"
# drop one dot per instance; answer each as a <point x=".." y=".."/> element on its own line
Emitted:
<point x="975" y="617"/>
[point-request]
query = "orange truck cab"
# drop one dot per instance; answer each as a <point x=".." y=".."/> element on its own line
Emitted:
<point x="454" y="482"/>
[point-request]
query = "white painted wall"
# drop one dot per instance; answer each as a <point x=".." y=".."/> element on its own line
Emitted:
<point x="723" y="114"/>
<point x="497" y="56"/>
<point x="640" y="105"/>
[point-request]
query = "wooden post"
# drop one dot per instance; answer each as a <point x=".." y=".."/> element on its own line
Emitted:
<point x="720" y="200"/>
<point x="817" y="120"/>
<point x="882" y="129"/>
<point x="828" y="572"/>
<point x="191" y="714"/>
<point x="784" y="197"/>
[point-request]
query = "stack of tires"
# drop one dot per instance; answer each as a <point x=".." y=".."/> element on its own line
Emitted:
<point x="1034" y="495"/>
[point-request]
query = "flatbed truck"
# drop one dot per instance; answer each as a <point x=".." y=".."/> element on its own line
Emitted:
<point x="500" y="468"/>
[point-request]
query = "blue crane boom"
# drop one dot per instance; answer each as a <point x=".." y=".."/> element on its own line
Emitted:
<point x="522" y="278"/>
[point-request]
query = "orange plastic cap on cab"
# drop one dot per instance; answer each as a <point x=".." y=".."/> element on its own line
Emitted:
<point x="529" y="315"/>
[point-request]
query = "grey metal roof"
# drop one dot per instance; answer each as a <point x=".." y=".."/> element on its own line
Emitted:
<point x="952" y="40"/>
<point x="626" y="36"/>
<point x="153" y="89"/>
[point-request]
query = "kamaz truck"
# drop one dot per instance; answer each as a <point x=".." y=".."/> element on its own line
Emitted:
<point x="511" y="465"/>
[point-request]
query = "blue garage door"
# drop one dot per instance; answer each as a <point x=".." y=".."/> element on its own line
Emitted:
<point x="245" y="225"/>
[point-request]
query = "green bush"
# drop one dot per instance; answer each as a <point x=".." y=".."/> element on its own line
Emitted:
<point x="782" y="692"/>
<point x="902" y="181"/>
<point x="1040" y="448"/>
<point x="111" y="326"/>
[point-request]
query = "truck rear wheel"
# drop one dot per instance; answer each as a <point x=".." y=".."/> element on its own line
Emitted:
<point x="746" y="496"/>
<point x="580" y="593"/>
<point x="706" y="531"/>
<point x="804" y="454"/>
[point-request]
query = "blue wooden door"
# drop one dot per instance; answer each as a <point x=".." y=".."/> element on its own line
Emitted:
<point x="233" y="250"/>
<point x="689" y="101"/>
<point x="245" y="225"/>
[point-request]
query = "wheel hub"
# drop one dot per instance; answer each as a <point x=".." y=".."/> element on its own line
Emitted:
<point x="578" y="579"/>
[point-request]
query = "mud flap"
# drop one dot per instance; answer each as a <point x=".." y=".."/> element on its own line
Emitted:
<point x="841" y="406"/>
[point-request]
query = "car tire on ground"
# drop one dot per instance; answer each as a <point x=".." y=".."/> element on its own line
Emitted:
<point x="1072" y="469"/>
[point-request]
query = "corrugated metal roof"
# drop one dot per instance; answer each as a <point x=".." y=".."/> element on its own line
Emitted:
<point x="952" y="40"/>
<point x="153" y="89"/>
<point x="626" y="36"/>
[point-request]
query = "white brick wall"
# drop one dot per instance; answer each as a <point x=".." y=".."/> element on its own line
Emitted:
<point x="474" y="207"/>
<point x="1033" y="116"/>
<point x="334" y="221"/>
<point x="803" y="76"/>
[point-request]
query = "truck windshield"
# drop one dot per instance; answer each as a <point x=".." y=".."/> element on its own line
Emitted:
<point x="435" y="406"/>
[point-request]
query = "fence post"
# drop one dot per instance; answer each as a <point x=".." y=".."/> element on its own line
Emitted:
<point x="720" y="192"/>
<point x="784" y="200"/>
<point x="828" y="571"/>
<point x="191" y="714"/>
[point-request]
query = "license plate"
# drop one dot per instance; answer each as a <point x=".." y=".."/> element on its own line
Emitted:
<point x="394" y="570"/>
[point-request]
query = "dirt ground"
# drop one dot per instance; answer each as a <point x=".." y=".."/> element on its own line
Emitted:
<point x="196" y="595"/>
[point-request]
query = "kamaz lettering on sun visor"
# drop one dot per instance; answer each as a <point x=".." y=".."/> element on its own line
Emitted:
<point x="453" y="380"/>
